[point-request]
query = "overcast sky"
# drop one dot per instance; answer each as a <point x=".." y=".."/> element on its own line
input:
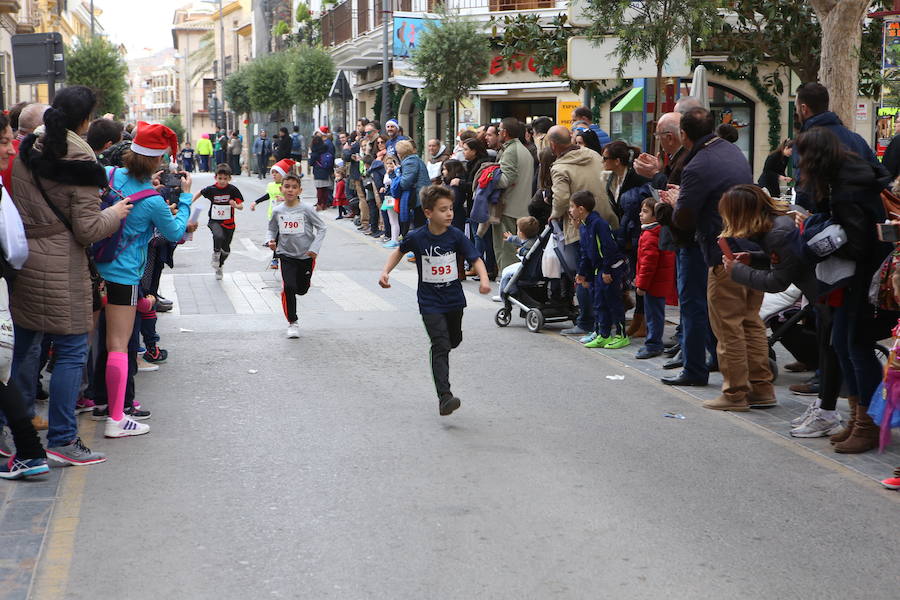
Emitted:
<point x="139" y="24"/>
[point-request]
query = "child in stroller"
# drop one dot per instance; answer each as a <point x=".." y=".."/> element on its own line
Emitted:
<point x="539" y="299"/>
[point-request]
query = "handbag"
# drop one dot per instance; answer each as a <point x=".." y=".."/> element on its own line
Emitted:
<point x="6" y="333"/>
<point x="881" y="288"/>
<point x="12" y="232"/>
<point x="550" y="265"/>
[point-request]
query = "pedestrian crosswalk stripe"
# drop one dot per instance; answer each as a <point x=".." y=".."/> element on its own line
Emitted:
<point x="255" y="251"/>
<point x="167" y="291"/>
<point x="348" y="294"/>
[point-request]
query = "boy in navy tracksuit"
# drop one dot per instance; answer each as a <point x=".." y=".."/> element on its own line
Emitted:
<point x="601" y="266"/>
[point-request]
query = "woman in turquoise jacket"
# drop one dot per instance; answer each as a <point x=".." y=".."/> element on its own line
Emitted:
<point x="122" y="275"/>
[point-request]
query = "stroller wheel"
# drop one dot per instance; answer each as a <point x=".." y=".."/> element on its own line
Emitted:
<point x="503" y="317"/>
<point x="534" y="320"/>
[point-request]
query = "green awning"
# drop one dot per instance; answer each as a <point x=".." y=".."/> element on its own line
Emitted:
<point x="633" y="101"/>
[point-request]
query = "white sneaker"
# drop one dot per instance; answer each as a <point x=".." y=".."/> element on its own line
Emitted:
<point x="293" y="331"/>
<point x="810" y="410"/>
<point x="215" y="260"/>
<point x="144" y="366"/>
<point x="496" y="298"/>
<point x="124" y="428"/>
<point x="219" y="273"/>
<point x="820" y="424"/>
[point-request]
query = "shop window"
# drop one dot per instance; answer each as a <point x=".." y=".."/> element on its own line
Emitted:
<point x="730" y="106"/>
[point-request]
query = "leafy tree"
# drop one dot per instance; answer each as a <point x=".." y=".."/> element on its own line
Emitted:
<point x="526" y="35"/>
<point x="97" y="64"/>
<point x="789" y="35"/>
<point x="786" y="33"/>
<point x="267" y="83"/>
<point x="310" y="75"/>
<point x="652" y="29"/>
<point x="174" y="123"/>
<point x="453" y="56"/>
<point x="842" y="25"/>
<point x="237" y="90"/>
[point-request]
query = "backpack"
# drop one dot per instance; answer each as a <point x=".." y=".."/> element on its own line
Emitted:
<point x="295" y="143"/>
<point x="107" y="249"/>
<point x="326" y="160"/>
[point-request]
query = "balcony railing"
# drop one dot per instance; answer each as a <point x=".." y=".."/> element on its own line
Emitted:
<point x="338" y="23"/>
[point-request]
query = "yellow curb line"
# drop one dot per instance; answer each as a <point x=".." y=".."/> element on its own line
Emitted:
<point x="55" y="560"/>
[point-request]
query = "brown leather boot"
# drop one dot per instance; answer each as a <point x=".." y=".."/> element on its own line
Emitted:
<point x="864" y="436"/>
<point x="851" y="421"/>
<point x="637" y="327"/>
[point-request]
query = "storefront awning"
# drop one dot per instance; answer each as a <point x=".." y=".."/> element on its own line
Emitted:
<point x="633" y="101"/>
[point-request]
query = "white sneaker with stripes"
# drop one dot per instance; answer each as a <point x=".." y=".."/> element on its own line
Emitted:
<point x="124" y="428"/>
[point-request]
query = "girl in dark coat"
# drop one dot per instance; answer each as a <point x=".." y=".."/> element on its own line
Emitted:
<point x="775" y="168"/>
<point x="846" y="190"/>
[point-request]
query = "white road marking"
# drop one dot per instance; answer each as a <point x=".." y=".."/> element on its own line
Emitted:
<point x="167" y="290"/>
<point x="348" y="294"/>
<point x="254" y="250"/>
<point x="245" y="300"/>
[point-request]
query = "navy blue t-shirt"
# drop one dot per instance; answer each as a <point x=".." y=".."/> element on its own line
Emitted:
<point x="439" y="260"/>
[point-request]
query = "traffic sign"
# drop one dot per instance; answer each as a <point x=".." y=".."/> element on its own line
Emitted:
<point x="38" y="57"/>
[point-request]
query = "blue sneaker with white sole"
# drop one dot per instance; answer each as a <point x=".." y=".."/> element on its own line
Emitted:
<point x="17" y="468"/>
<point x="588" y="338"/>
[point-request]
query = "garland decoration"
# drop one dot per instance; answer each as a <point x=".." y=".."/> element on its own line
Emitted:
<point x="770" y="100"/>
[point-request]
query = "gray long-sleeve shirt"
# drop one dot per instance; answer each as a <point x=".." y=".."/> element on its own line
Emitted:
<point x="298" y="229"/>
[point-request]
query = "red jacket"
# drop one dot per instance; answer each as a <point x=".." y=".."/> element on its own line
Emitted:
<point x="655" y="267"/>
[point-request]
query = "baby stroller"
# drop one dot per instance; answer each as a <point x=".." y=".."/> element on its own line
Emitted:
<point x="539" y="299"/>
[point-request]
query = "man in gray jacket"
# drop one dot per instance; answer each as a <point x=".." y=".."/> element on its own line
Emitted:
<point x="517" y="175"/>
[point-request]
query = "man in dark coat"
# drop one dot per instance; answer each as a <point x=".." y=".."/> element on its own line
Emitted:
<point x="711" y="167"/>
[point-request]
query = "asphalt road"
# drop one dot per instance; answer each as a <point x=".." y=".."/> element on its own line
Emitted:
<point x="319" y="467"/>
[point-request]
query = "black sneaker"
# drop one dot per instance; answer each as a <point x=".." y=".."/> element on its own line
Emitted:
<point x="100" y="413"/>
<point x="448" y="405"/>
<point x="155" y="354"/>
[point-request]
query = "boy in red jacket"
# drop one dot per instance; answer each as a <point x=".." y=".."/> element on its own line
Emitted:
<point x="655" y="279"/>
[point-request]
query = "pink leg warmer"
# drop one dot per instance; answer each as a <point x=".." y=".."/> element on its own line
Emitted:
<point x="116" y="380"/>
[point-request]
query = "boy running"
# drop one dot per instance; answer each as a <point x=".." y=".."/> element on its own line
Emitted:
<point x="223" y="199"/>
<point x="439" y="250"/>
<point x="299" y="232"/>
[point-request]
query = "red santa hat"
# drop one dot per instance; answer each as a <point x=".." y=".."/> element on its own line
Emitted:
<point x="284" y="166"/>
<point x="324" y="129"/>
<point x="151" y="139"/>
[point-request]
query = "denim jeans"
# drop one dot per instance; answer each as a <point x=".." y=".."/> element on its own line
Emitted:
<point x="484" y="246"/>
<point x="655" y="314"/>
<point x="856" y="354"/>
<point x="696" y="336"/>
<point x="585" y="304"/>
<point x="507" y="274"/>
<point x="70" y="352"/>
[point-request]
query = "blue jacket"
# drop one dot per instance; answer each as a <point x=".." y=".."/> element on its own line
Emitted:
<point x="629" y="230"/>
<point x="321" y="173"/>
<point x="390" y="144"/>
<point x="484" y="197"/>
<point x="146" y="216"/>
<point x="599" y="250"/>
<point x="414" y="176"/>
<point x="262" y="146"/>
<point x="402" y="195"/>
<point x="601" y="135"/>
<point x="711" y="168"/>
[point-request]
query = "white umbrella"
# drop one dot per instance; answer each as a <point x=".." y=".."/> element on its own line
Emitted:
<point x="698" y="86"/>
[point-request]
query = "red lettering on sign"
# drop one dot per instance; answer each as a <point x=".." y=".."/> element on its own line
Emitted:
<point x="518" y="63"/>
